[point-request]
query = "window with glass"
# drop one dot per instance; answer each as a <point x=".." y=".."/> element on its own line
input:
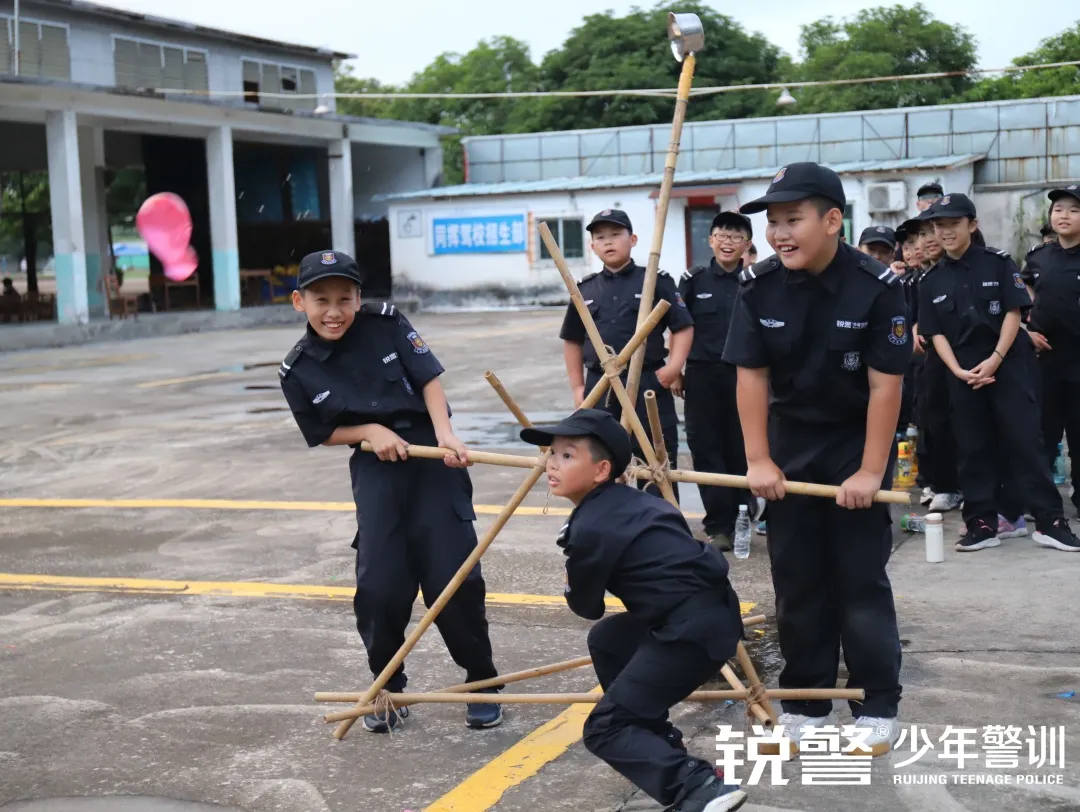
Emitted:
<point x="569" y="233"/>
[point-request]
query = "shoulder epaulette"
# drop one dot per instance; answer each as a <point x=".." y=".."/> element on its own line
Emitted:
<point x="663" y="273"/>
<point x="695" y="270"/>
<point x="1038" y="247"/>
<point x="882" y="273"/>
<point x="378" y="309"/>
<point x="290" y="359"/>
<point x="587" y="277"/>
<point x="759" y="269"/>
<point x="997" y="252"/>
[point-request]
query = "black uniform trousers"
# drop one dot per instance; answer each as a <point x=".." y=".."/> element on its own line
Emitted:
<point x="937" y="445"/>
<point x="828" y="570"/>
<point x="642" y="678"/>
<point x="415" y="529"/>
<point x="1002" y="422"/>
<point x="715" y="437"/>
<point x="1061" y="415"/>
<point x="669" y="420"/>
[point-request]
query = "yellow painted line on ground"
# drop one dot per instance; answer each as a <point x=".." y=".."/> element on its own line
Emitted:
<point x="204" y="376"/>
<point x="248" y="504"/>
<point x="484" y="788"/>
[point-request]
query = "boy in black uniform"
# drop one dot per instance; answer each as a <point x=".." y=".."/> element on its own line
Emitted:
<point x="712" y="415"/>
<point x="970" y="304"/>
<point x="613" y="296"/>
<point x="363" y="373"/>
<point x="1052" y="272"/>
<point x="879" y="242"/>
<point x="681" y="622"/>
<point x="928" y="195"/>
<point x="820" y="336"/>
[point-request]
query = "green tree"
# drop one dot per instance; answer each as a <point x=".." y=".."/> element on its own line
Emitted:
<point x="1065" y="47"/>
<point x="885" y="41"/>
<point x="609" y="53"/>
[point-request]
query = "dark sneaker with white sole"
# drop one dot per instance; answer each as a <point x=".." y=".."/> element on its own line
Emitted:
<point x="379" y="723"/>
<point x="480" y="715"/>
<point x="980" y="536"/>
<point x="712" y="796"/>
<point x="1057" y="535"/>
<point x="721" y="541"/>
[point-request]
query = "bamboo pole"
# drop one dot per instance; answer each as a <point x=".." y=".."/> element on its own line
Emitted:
<point x="653" y="413"/>
<point x="755" y="681"/>
<point x="790" y="694"/>
<point x="478" y="685"/>
<point x="755" y="708"/>
<point x="648" y="290"/>
<point x="500" y="390"/>
<point x="604" y="356"/>
<point x="695" y="477"/>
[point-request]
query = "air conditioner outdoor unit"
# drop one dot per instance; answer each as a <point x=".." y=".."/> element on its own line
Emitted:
<point x="886" y="197"/>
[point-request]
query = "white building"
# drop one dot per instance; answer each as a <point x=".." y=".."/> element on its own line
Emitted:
<point x="1004" y="155"/>
<point x="237" y="125"/>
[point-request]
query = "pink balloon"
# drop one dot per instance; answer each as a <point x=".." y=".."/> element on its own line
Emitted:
<point x="165" y="223"/>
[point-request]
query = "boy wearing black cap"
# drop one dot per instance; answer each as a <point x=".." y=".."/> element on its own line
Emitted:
<point x="970" y="305"/>
<point x="879" y="242"/>
<point x="712" y="414"/>
<point x="361" y="372"/>
<point x="681" y="622"/>
<point x="928" y="195"/>
<point x="820" y="336"/>
<point x="1052" y="272"/>
<point x="613" y="297"/>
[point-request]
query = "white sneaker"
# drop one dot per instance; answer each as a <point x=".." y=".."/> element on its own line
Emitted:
<point x="795" y="727"/>
<point x="943" y="502"/>
<point x="883" y="735"/>
<point x="927" y="496"/>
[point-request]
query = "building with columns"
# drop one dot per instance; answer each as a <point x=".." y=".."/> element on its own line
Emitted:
<point x="243" y="129"/>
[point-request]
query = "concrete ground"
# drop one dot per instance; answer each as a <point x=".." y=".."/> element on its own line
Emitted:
<point x="117" y="681"/>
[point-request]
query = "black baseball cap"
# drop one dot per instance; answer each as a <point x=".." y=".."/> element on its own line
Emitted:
<point x="928" y="189"/>
<point x="323" y="264"/>
<point x="614" y="216"/>
<point x="733" y="218"/>
<point x="878" y="234"/>
<point x="951" y="205"/>
<point x="908" y="228"/>
<point x="1046" y="230"/>
<point x="1068" y="191"/>
<point x="587" y="423"/>
<point x="799" y="181"/>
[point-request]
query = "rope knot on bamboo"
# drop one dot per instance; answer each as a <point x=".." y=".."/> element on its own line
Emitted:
<point x="383" y="709"/>
<point x="639" y="469"/>
<point x="754" y="696"/>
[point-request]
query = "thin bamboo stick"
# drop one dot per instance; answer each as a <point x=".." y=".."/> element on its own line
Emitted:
<point x="447" y="594"/>
<point x="755" y="708"/>
<point x="755" y="681"/>
<point x="792" y="694"/>
<point x="478" y="685"/>
<point x="604" y="356"/>
<point x="648" y="290"/>
<point x="500" y="390"/>
<point x="653" y="413"/>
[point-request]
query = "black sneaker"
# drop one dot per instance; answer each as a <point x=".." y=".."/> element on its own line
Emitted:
<point x="721" y="541"/>
<point x="380" y="724"/>
<point x="713" y="796"/>
<point x="479" y="715"/>
<point x="979" y="536"/>
<point x="1057" y="535"/>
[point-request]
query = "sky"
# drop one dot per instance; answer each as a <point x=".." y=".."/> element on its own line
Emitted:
<point x="391" y="46"/>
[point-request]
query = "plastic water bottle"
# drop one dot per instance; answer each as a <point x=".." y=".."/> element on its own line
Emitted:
<point x="913" y="523"/>
<point x="742" y="534"/>
<point x="1060" y="467"/>
<point x="935" y="538"/>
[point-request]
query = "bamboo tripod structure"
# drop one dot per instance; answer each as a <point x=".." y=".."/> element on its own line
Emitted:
<point x="656" y="468"/>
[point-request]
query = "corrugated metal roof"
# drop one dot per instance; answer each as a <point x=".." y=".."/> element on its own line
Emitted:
<point x="681" y="178"/>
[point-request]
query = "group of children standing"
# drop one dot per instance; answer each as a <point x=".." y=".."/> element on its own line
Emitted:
<point x="792" y="368"/>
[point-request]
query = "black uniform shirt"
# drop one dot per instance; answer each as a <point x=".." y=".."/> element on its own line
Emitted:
<point x="374" y="373"/>
<point x="1054" y="274"/>
<point x="613" y="299"/>
<point x="966" y="301"/>
<point x="818" y="334"/>
<point x="640" y="549"/>
<point x="709" y="293"/>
